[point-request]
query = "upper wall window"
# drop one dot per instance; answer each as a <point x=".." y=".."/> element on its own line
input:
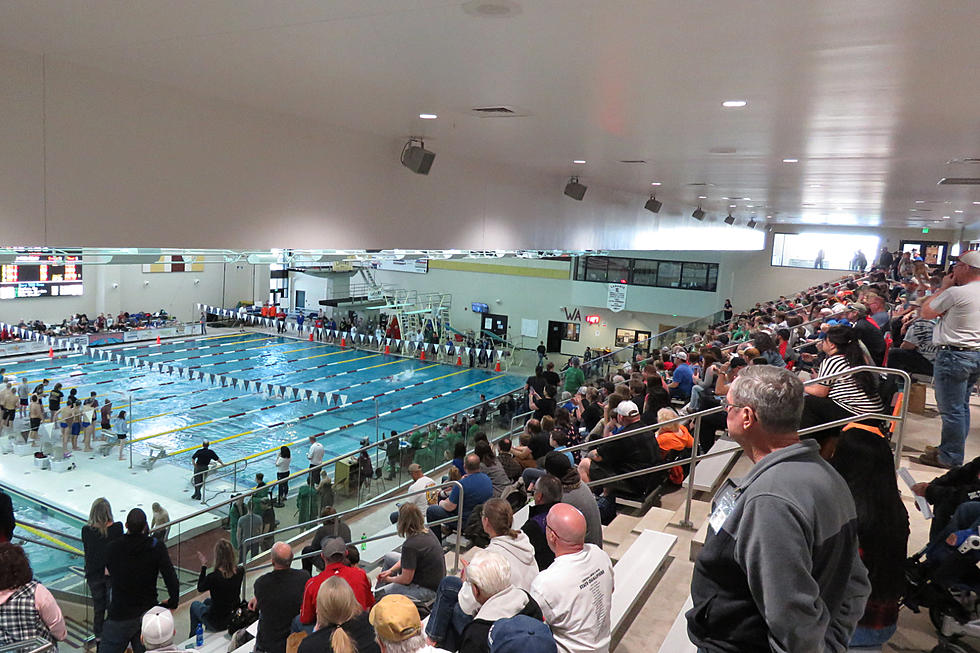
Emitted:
<point x="824" y="251"/>
<point x="684" y="275"/>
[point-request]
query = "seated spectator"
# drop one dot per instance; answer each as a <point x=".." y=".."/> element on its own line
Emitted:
<point x="576" y="493"/>
<point x="419" y="482"/>
<point x="575" y="592"/>
<point x="521" y="634"/>
<point x="514" y="545"/>
<point x="490" y="465"/>
<point x="624" y="455"/>
<point x="341" y="623"/>
<point x="547" y="492"/>
<point x="417" y="570"/>
<point x="27" y="608"/>
<point x="488" y="577"/>
<point x="278" y="599"/>
<point x="682" y="379"/>
<point x="459" y="452"/>
<point x="543" y="403"/>
<point x="916" y="354"/>
<point x="225" y="586"/>
<point x="675" y="443"/>
<point x="335" y="558"/>
<point x="947" y="492"/>
<point x="157" y="629"/>
<point x="540" y="442"/>
<point x="477" y="488"/>
<point x="331" y="527"/>
<point x="398" y="627"/>
<point x="511" y="467"/>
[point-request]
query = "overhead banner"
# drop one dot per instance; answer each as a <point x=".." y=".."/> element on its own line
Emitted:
<point x="616" y="297"/>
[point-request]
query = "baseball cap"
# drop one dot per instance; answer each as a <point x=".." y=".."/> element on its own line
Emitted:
<point x="557" y="464"/>
<point x="158" y="626"/>
<point x="971" y="258"/>
<point x="859" y="307"/>
<point x="521" y="634"/>
<point x="395" y="618"/>
<point x="333" y="548"/>
<point x="627" y="409"/>
<point x="681" y="355"/>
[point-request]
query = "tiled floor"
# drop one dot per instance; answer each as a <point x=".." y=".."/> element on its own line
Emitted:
<point x="915" y="632"/>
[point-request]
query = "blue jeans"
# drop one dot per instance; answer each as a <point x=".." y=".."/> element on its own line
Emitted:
<point x="435" y="513"/>
<point x="956" y="372"/>
<point x="118" y="634"/>
<point x="199" y="614"/>
<point x="871" y="638"/>
<point x="447" y="620"/>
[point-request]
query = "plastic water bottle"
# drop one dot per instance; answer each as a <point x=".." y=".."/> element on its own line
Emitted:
<point x="363" y="544"/>
<point x="199" y="641"/>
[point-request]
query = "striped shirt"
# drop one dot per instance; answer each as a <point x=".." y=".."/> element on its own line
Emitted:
<point x="919" y="334"/>
<point x="845" y="391"/>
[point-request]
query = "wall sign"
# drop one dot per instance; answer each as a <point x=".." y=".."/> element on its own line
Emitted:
<point x="616" y="297"/>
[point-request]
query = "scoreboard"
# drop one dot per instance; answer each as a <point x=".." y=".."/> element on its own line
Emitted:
<point x="41" y="274"/>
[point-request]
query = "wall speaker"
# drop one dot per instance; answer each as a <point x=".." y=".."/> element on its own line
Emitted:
<point x="653" y="205"/>
<point x="417" y="159"/>
<point x="575" y="190"/>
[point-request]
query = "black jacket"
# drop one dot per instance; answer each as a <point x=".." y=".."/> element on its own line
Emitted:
<point x="475" y="635"/>
<point x="95" y="548"/>
<point x="134" y="561"/>
<point x="534" y="528"/>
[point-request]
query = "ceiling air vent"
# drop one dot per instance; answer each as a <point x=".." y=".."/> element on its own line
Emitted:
<point x="498" y="111"/>
<point x="959" y="181"/>
<point x="632" y="161"/>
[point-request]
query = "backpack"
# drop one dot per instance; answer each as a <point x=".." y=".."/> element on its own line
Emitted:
<point x="473" y="528"/>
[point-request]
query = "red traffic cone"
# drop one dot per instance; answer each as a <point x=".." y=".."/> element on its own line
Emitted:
<point x="459" y="360"/>
<point x="158" y="340"/>
<point x="343" y="342"/>
<point x="387" y="349"/>
<point x="423" y="355"/>
<point x="311" y="336"/>
<point x="50" y="352"/>
<point x="497" y="368"/>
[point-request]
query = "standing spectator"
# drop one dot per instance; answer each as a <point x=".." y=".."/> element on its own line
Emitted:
<point x="135" y="561"/>
<point x="23" y="395"/>
<point x="249" y="525"/>
<point x="574" y="376"/>
<point x="575" y="592"/>
<point x="202" y="458"/>
<point x="780" y="566"/>
<point x="341" y="623"/>
<point x="282" y="471"/>
<point x="334" y="554"/>
<point x="54" y="401"/>
<point x="36" y="417"/>
<point x="957" y="305"/>
<point x="160" y="517"/>
<point x="315" y="457"/>
<point x="204" y="323"/>
<point x="417" y="570"/>
<point x="27" y="608"/>
<point x="477" y="488"/>
<point x="121" y="429"/>
<point x="278" y="598"/>
<point x="550" y="375"/>
<point x="865" y="462"/>
<point x="157" y="629"/>
<point x="398" y="627"/>
<point x="225" y="586"/>
<point x="100" y="530"/>
<point x="542" y="353"/>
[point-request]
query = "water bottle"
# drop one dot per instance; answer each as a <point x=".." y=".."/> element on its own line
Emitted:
<point x="199" y="641"/>
<point x="363" y="544"/>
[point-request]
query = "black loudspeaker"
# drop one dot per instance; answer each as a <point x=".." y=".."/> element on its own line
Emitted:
<point x="575" y="190"/>
<point x="418" y="159"/>
<point x="653" y="205"/>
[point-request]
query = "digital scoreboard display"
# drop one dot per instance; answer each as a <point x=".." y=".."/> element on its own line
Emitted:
<point x="41" y="274"/>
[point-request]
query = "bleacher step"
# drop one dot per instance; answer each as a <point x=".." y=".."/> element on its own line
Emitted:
<point x="639" y="565"/>
<point x="710" y="472"/>
<point x="656" y="519"/>
<point x="677" y="640"/>
<point x="618" y="530"/>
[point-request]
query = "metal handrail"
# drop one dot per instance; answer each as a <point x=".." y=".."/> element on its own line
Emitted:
<point x="67" y="536"/>
<point x="33" y="645"/>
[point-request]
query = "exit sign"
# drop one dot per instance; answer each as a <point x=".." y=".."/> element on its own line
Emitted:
<point x="925" y="230"/>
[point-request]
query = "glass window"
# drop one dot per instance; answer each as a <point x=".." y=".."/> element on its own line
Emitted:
<point x="712" y="278"/>
<point x="595" y="268"/>
<point x="669" y="274"/>
<point x="694" y="276"/>
<point x="572" y="330"/>
<point x="618" y="270"/>
<point x="645" y="272"/>
<point x="824" y="251"/>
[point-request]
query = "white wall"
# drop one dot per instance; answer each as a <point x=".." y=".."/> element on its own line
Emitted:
<point x="174" y="292"/>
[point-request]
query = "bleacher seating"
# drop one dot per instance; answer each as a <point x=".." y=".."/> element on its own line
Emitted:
<point x="633" y="573"/>
<point x="710" y="472"/>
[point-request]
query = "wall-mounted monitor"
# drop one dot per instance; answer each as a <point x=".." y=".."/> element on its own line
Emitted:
<point x="42" y="273"/>
<point x="477" y="307"/>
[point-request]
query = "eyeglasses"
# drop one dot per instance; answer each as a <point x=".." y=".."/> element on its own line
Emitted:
<point x="724" y="402"/>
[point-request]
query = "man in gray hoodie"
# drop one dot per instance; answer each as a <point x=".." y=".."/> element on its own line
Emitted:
<point x="779" y="569"/>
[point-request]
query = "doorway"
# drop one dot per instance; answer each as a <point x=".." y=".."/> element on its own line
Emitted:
<point x="556" y="331"/>
<point x="300" y="299"/>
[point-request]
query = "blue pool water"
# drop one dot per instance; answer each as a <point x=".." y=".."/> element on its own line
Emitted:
<point x="50" y="560"/>
<point x="179" y="413"/>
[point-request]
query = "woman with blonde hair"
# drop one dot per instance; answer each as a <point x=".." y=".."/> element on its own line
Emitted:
<point x="341" y="625"/>
<point x="96" y="535"/>
<point x="225" y="585"/>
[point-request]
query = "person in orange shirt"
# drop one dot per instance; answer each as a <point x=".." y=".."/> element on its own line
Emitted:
<point x="675" y="442"/>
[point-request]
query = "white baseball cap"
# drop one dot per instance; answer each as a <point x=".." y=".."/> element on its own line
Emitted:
<point x="627" y="409"/>
<point x="682" y="356"/>
<point x="158" y="627"/>
<point x="971" y="258"/>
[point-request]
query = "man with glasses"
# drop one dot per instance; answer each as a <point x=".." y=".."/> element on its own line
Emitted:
<point x="779" y="569"/>
<point x="575" y="592"/>
<point x="957" y="367"/>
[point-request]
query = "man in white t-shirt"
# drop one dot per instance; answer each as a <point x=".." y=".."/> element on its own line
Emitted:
<point x="419" y="482"/>
<point x="315" y="456"/>
<point x="575" y="592"/>
<point x="957" y="367"/>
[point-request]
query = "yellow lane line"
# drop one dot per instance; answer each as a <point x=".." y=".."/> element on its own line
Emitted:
<point x="182" y="428"/>
<point x="53" y="540"/>
<point x="333" y="353"/>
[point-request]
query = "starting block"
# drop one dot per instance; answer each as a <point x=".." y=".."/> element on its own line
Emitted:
<point x="159" y="453"/>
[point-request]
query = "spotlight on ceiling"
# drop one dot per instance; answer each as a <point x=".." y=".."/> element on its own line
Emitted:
<point x="574" y="189"/>
<point x="416" y="158"/>
<point x="751" y="224"/>
<point x="652" y="205"/>
<point x="729" y="219"/>
<point x="698" y="213"/>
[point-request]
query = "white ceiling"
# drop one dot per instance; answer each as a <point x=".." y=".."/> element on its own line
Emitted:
<point x="873" y="97"/>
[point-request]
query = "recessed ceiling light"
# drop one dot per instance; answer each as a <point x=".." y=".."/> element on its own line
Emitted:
<point x="976" y="202"/>
<point x="920" y="201"/>
<point x="428" y="116"/>
<point x="747" y="199"/>
<point x="654" y="183"/>
<point x="814" y="185"/>
<point x="734" y="104"/>
<point x="945" y="217"/>
<point x="913" y="210"/>
<point x="731" y="206"/>
<point x="958" y="211"/>
<point x="579" y="161"/>
<point x="702" y="197"/>
<point x="791" y="160"/>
